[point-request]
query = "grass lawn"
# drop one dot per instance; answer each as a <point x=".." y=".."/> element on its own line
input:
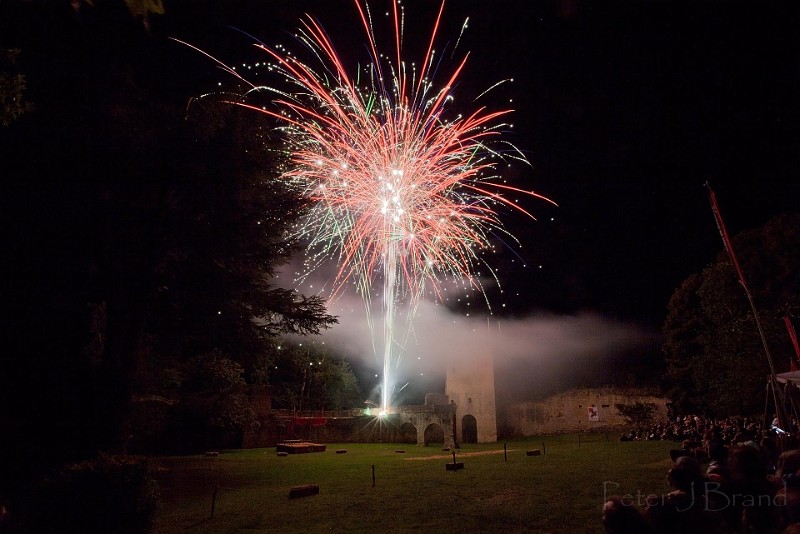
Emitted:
<point x="562" y="490"/>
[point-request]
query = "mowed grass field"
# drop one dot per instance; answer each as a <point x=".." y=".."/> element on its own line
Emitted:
<point x="561" y="490"/>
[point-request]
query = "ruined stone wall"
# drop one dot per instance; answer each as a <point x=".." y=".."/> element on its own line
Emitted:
<point x="570" y="411"/>
<point x="407" y="425"/>
<point x="273" y="430"/>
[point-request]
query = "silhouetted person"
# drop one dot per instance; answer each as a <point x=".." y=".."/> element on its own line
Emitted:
<point x="682" y="510"/>
<point x="621" y="517"/>
<point x="752" y="494"/>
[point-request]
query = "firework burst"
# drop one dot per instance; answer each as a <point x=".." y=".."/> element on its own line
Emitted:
<point x="403" y="197"/>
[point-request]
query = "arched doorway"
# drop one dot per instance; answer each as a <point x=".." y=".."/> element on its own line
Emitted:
<point x="408" y="433"/>
<point x="434" y="434"/>
<point x="469" y="429"/>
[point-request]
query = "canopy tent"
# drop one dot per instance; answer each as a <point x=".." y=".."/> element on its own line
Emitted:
<point x="789" y="394"/>
<point x="792" y="377"/>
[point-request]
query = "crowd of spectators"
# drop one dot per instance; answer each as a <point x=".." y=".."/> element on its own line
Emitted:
<point x="695" y="428"/>
<point x="731" y="475"/>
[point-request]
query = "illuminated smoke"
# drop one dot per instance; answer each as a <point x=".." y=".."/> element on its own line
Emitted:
<point x="405" y="197"/>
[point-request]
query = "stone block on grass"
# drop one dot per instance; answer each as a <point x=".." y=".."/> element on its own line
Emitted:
<point x="304" y="491"/>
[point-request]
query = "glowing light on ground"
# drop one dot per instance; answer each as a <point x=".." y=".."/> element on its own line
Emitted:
<point x="403" y="197"/>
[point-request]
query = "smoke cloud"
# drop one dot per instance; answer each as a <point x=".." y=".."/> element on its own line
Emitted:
<point x="533" y="356"/>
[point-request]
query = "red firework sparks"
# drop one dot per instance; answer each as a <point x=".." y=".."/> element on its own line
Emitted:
<point x="400" y="192"/>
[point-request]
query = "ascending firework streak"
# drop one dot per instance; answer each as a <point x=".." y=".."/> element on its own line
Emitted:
<point x="398" y="192"/>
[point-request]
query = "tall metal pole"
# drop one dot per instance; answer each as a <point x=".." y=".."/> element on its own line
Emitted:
<point x="729" y="248"/>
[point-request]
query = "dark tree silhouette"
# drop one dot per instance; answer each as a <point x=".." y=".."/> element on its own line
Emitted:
<point x="716" y="362"/>
<point x="136" y="237"/>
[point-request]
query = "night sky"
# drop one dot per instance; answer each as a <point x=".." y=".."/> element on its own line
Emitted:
<point x="130" y="225"/>
<point x="624" y="110"/>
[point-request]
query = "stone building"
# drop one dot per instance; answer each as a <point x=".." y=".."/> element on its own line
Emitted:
<point x="470" y="385"/>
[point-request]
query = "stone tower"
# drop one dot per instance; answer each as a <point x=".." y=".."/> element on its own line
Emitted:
<point x="470" y="384"/>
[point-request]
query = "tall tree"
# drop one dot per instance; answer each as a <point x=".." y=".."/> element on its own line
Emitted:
<point x="716" y="362"/>
<point x="306" y="376"/>
<point x="13" y="102"/>
<point x="132" y="234"/>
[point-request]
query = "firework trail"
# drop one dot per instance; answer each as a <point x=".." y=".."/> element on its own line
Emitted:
<point x="401" y="195"/>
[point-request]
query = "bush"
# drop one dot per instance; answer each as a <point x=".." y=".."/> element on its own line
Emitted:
<point x="639" y="415"/>
<point x="110" y="495"/>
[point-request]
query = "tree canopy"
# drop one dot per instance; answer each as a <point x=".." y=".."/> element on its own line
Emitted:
<point x="12" y="88"/>
<point x="638" y="415"/>
<point x="716" y="362"/>
<point x="139" y="235"/>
